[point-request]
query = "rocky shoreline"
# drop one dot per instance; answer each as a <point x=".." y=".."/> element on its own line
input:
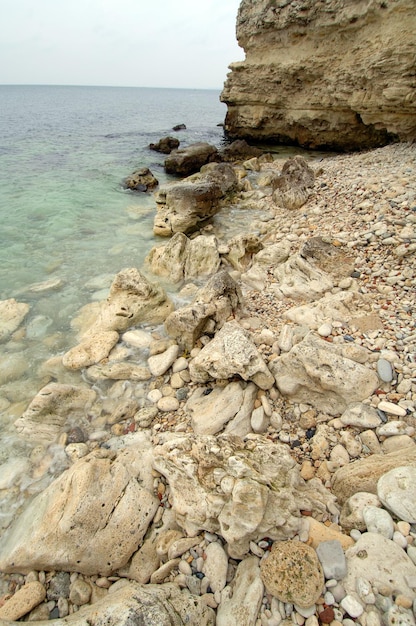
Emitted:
<point x="240" y="450"/>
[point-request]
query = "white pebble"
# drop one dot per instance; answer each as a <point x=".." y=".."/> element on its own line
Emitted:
<point x="352" y="606"/>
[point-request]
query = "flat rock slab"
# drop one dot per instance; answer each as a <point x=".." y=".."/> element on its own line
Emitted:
<point x="242" y="602"/>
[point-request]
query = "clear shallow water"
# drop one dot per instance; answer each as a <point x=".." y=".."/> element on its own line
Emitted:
<point x="64" y="214"/>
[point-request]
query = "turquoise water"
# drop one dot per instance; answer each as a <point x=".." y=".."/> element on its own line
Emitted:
<point x="65" y="217"/>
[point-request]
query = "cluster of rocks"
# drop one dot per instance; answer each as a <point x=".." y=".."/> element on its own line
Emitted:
<point x="240" y="450"/>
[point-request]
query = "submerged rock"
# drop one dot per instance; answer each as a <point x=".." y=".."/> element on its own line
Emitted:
<point x="12" y="314"/>
<point x="90" y="520"/>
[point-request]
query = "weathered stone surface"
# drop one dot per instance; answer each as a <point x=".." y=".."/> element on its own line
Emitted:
<point x="55" y="408"/>
<point x="212" y="305"/>
<point x="241" y="250"/>
<point x="361" y="416"/>
<point x="133" y="604"/>
<point x="118" y="371"/>
<point x="342" y="306"/>
<point x="297" y="278"/>
<point x="211" y="410"/>
<point x="293" y="187"/>
<point x="363" y="561"/>
<point x="298" y="85"/>
<point x="182" y="206"/>
<point x="142" y="180"/>
<point x="397" y="491"/>
<point x="239" y="150"/>
<point x="183" y="259"/>
<point x="23" y="601"/>
<point x="364" y="474"/>
<point x="316" y="373"/>
<point x="292" y="573"/>
<point x="240" y="603"/>
<point x="165" y="145"/>
<point x="186" y="161"/>
<point x="90" y="520"/>
<point x="231" y="353"/>
<point x="93" y="349"/>
<point x="12" y="314"/>
<point x="245" y="490"/>
<point x="352" y="512"/>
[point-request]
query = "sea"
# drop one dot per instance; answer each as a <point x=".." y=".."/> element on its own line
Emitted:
<point x="67" y="221"/>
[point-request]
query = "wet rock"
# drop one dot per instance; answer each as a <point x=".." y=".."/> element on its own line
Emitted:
<point x="292" y="573"/>
<point x="55" y="407"/>
<point x="316" y="373"/>
<point x="231" y="353"/>
<point x="142" y="180"/>
<point x="118" y="371"/>
<point x="212" y="305"/>
<point x="111" y="499"/>
<point x="244" y="492"/>
<point x="186" y="161"/>
<point x="12" y="314"/>
<point x="93" y="349"/>
<point x="165" y="145"/>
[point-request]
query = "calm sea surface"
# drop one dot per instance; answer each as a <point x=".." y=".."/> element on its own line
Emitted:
<point x="64" y="215"/>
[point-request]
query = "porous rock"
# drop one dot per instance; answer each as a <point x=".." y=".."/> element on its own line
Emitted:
<point x="183" y="259"/>
<point x="315" y="372"/>
<point x="342" y="306"/>
<point x="165" y="145"/>
<point x="55" y="408"/>
<point x="93" y="349"/>
<point x="240" y="603"/>
<point x="292" y="187"/>
<point x="231" y="353"/>
<point x="292" y="573"/>
<point x="245" y="490"/>
<point x="23" y="601"/>
<point x="110" y="499"/>
<point x="213" y="304"/>
<point x="142" y="180"/>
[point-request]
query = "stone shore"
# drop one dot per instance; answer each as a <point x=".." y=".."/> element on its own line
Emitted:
<point x="239" y="450"/>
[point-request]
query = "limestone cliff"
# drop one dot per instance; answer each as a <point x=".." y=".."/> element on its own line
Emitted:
<point x="337" y="74"/>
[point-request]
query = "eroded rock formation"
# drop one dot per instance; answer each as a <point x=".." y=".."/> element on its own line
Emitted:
<point x="330" y="74"/>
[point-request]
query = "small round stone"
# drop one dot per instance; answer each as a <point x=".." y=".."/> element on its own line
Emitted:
<point x="385" y="370"/>
<point x="168" y="403"/>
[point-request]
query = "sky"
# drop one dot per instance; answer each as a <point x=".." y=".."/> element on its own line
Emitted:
<point x="144" y="43"/>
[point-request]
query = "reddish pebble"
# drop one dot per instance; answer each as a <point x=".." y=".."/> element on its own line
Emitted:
<point x="327" y="615"/>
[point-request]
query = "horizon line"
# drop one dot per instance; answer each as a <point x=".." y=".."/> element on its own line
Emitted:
<point x="108" y="86"/>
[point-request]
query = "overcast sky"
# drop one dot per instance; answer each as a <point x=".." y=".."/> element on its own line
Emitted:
<point x="146" y="43"/>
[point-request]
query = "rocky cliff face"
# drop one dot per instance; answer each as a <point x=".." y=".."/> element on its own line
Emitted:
<point x="337" y="74"/>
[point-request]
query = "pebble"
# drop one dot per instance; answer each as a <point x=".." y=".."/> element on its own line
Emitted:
<point x="332" y="558"/>
<point x="352" y="606"/>
<point x="385" y="370"/>
<point x="168" y="403"/>
<point x="215" y="566"/>
<point x="391" y="408"/>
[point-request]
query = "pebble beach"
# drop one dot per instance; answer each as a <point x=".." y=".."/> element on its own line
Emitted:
<point x="350" y="556"/>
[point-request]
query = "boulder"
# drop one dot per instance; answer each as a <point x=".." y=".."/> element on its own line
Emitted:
<point x="182" y="206"/>
<point x="299" y="279"/>
<point x="132" y="604"/>
<point x="165" y="145"/>
<point x="211" y="307"/>
<point x="184" y="259"/>
<point x="231" y="353"/>
<point x="315" y="372"/>
<point x="89" y="520"/>
<point x="212" y="409"/>
<point x="328" y="257"/>
<point x="12" y="314"/>
<point x="293" y="187"/>
<point x="241" y="250"/>
<point x="297" y="85"/>
<point x="364" y="474"/>
<point x="186" y="161"/>
<point x="245" y="490"/>
<point x="56" y="408"/>
<point x="239" y="150"/>
<point x="142" y="180"/>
